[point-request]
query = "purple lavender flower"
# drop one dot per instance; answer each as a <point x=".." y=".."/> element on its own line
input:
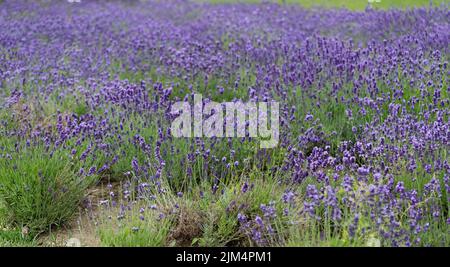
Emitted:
<point x="135" y="165"/>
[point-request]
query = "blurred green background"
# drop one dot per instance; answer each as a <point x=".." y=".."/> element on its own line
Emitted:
<point x="350" y="4"/>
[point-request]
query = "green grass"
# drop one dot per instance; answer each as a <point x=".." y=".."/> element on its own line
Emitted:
<point x="39" y="190"/>
<point x="133" y="232"/>
<point x="15" y="238"/>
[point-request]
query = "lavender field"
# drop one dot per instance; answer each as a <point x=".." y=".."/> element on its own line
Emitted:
<point x="88" y="154"/>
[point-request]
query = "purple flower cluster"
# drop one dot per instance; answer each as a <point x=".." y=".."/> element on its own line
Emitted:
<point x="364" y="105"/>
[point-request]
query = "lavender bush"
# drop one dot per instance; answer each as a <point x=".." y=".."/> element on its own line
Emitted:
<point x="363" y="157"/>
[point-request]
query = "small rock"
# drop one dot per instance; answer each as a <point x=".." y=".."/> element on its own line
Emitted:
<point x="373" y="242"/>
<point x="73" y="242"/>
<point x="25" y="231"/>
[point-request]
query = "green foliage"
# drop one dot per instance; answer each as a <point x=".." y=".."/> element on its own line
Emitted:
<point x="15" y="238"/>
<point x="39" y="190"/>
<point x="153" y="232"/>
